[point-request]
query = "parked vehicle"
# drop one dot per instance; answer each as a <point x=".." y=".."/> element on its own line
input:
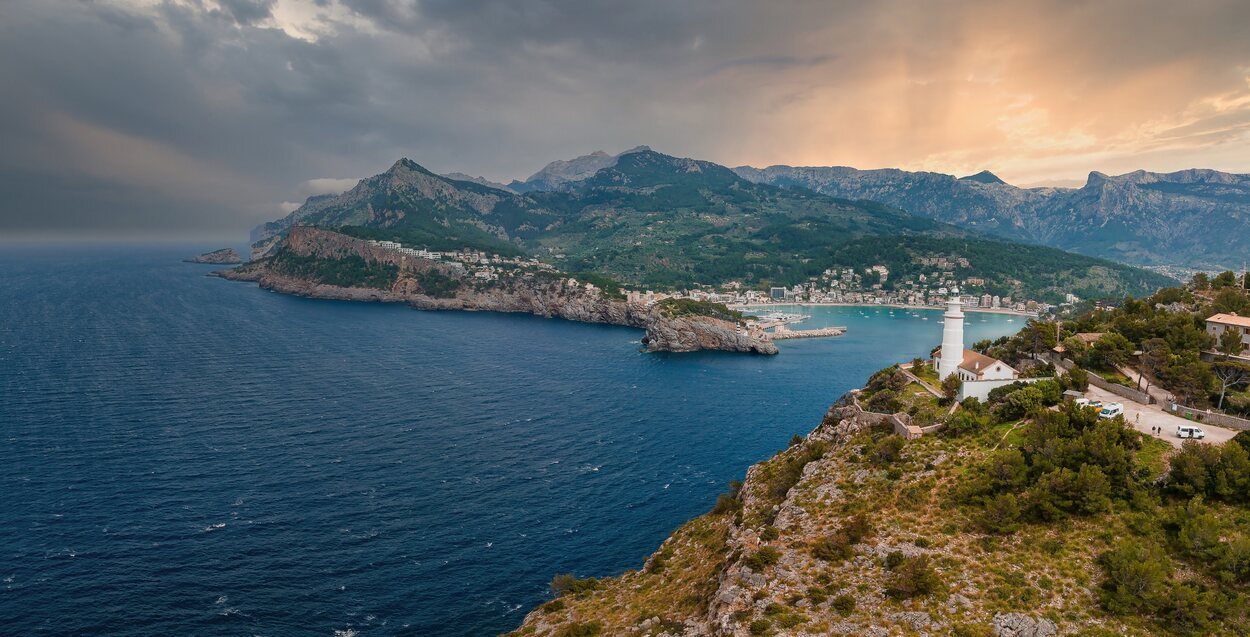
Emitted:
<point x="1190" y="431"/>
<point x="1111" y="410"/>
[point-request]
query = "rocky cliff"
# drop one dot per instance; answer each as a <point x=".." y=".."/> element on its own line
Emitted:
<point x="849" y="532"/>
<point x="438" y="285"/>
<point x="1198" y="218"/>
<point x="224" y="256"/>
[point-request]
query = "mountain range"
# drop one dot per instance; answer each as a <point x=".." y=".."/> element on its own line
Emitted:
<point x="654" y="220"/>
<point x="1190" y="219"/>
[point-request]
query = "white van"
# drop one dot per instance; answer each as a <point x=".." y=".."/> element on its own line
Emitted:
<point x="1190" y="431"/>
<point x="1111" y="410"/>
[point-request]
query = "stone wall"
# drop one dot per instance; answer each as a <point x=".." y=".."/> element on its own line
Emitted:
<point x="1102" y="383"/>
<point x="1202" y="415"/>
<point x="980" y="389"/>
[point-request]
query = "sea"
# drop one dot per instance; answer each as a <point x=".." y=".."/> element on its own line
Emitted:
<point x="184" y="455"/>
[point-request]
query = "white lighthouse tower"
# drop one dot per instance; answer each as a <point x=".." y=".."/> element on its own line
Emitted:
<point x="952" y="337"/>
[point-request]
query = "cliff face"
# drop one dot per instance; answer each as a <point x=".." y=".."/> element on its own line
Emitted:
<point x="1191" y="217"/>
<point x="542" y="295"/>
<point x="842" y="534"/>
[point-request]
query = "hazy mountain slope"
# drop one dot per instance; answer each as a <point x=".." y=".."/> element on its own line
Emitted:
<point x="648" y="219"/>
<point x="1193" y="218"/>
<point x="562" y="171"/>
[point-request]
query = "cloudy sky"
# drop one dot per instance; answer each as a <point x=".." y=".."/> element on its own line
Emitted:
<point x="200" y="118"/>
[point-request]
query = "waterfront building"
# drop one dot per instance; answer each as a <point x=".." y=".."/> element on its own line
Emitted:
<point x="979" y="373"/>
<point x="951" y="352"/>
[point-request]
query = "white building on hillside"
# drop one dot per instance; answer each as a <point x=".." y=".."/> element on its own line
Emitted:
<point x="979" y="373"/>
<point x="1239" y="324"/>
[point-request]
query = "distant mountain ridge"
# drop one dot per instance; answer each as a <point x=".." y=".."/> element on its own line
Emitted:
<point x="564" y="171"/>
<point x="1192" y="218"/>
<point x="653" y="220"/>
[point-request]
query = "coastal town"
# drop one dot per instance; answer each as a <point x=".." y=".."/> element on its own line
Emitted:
<point x="835" y="286"/>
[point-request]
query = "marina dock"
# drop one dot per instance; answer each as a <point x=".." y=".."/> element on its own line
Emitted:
<point x="782" y="332"/>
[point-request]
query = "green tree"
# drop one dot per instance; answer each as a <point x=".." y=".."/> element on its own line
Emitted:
<point x="1230" y="374"/>
<point x="951" y="386"/>
<point x="1225" y="279"/>
<point x="1093" y="490"/>
<point x="1199" y="532"/>
<point x="1076" y="349"/>
<point x="1136" y="574"/>
<point x="1078" y="379"/>
<point x="1231" y="301"/>
<point x="1200" y="281"/>
<point x="1191" y="469"/>
<point x="1155" y="353"/>
<point x="1230" y="343"/>
<point x="1111" y="349"/>
<point x="1039" y="336"/>
<point x="1001" y="515"/>
<point x="1020" y="403"/>
<point x="1188" y="377"/>
<point x="1188" y="610"/>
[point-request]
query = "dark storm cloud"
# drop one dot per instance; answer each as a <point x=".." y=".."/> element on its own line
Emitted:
<point x="248" y="11"/>
<point x="191" y="116"/>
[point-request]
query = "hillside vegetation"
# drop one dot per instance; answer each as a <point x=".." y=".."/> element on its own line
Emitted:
<point x="654" y="221"/>
<point x="1025" y="513"/>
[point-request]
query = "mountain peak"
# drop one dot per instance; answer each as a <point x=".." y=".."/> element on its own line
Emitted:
<point x="563" y="171"/>
<point x="404" y="164"/>
<point x="1096" y="179"/>
<point x="984" y="177"/>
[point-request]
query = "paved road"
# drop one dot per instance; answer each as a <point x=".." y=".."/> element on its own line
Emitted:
<point x="1143" y="417"/>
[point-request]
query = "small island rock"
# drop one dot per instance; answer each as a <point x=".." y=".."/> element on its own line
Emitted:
<point x="224" y="256"/>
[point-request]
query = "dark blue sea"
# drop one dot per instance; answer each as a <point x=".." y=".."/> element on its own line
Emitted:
<point x="183" y="455"/>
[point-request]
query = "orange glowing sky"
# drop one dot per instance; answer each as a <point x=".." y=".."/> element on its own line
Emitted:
<point x="216" y="114"/>
<point x="1038" y="92"/>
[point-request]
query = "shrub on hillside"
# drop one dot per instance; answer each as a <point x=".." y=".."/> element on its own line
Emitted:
<point x="885" y="450"/>
<point x="914" y="577"/>
<point x="761" y="559"/>
<point x="565" y="584"/>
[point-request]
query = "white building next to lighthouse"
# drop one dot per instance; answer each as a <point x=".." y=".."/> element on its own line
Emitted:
<point x="979" y="373"/>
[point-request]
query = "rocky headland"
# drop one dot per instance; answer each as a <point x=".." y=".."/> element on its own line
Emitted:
<point x="319" y="263"/>
<point x="855" y="530"/>
<point x="224" y="256"/>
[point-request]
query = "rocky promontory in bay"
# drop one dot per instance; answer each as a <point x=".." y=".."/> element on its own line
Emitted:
<point x="224" y="256"/>
<point x="320" y="263"/>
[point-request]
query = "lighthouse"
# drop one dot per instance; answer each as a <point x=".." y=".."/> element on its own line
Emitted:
<point x="952" y="337"/>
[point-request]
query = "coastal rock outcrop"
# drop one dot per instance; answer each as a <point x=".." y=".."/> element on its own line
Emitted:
<point x="691" y="334"/>
<point x="547" y="294"/>
<point x="224" y="256"/>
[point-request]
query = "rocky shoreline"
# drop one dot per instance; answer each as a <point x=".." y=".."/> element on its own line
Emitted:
<point x="552" y="298"/>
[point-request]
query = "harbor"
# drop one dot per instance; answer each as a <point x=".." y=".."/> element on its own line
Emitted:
<point x="782" y="332"/>
<point x="776" y="325"/>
